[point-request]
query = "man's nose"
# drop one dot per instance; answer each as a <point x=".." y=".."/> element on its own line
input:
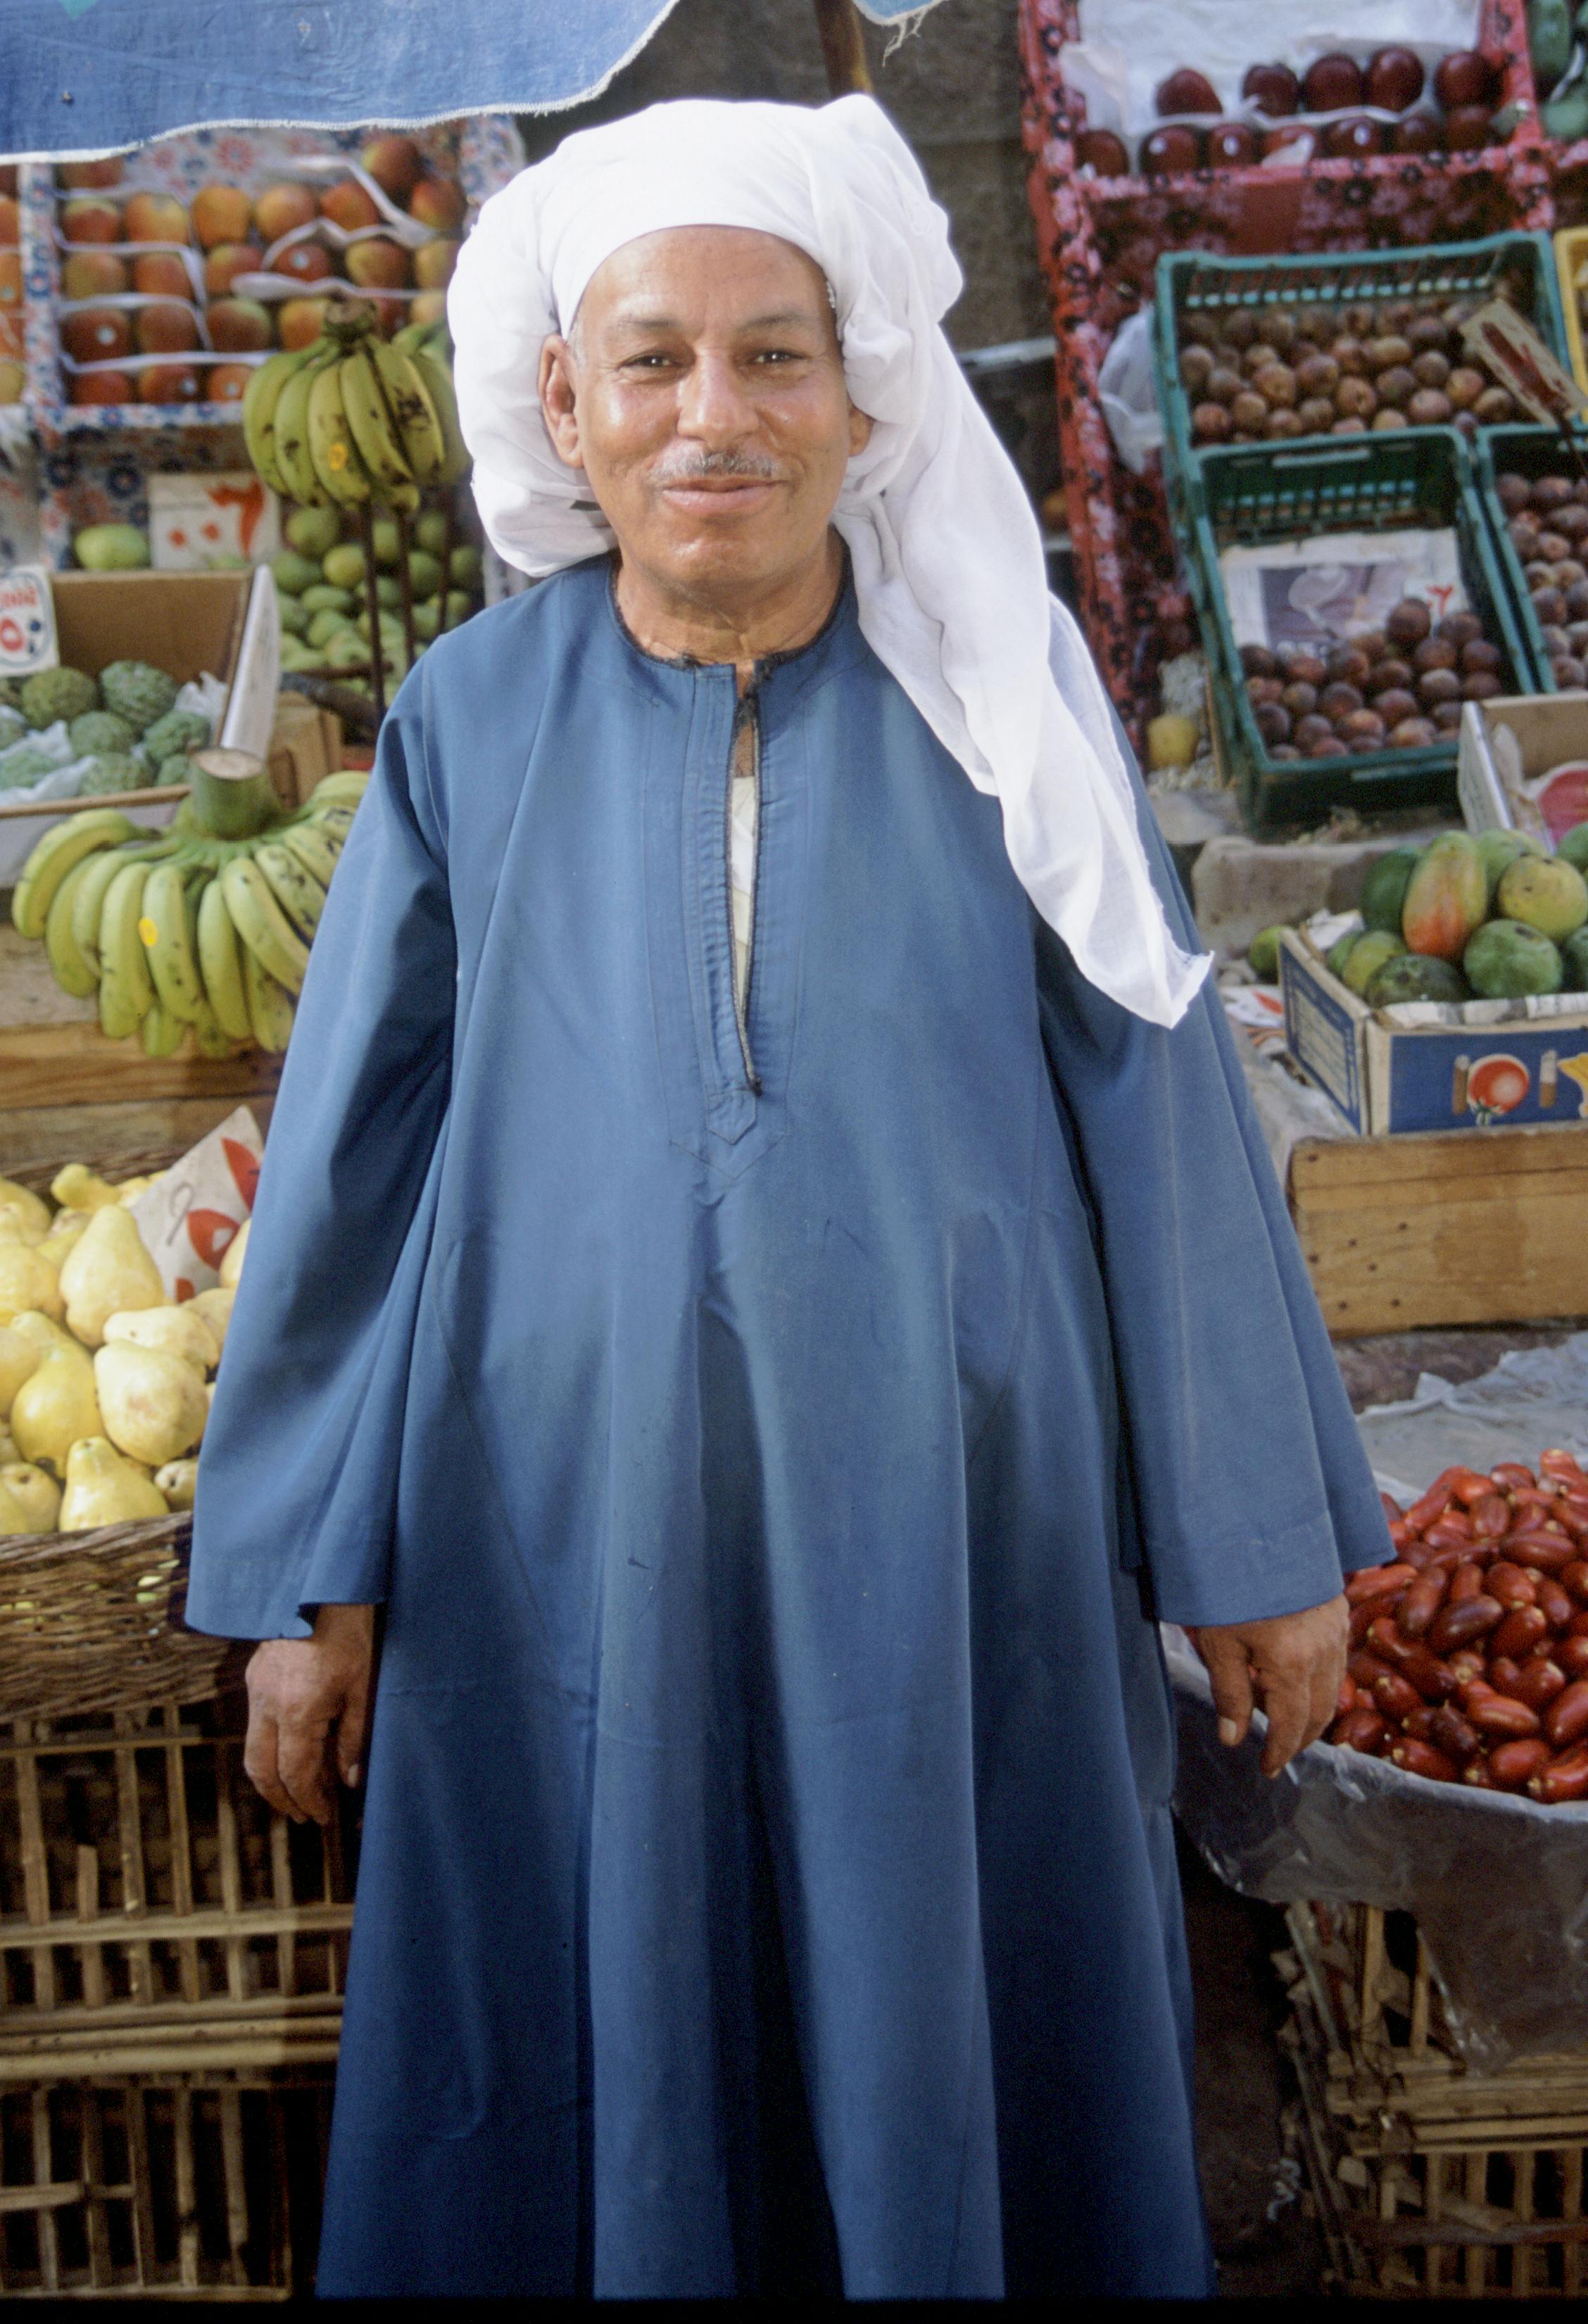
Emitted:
<point x="713" y="406"/>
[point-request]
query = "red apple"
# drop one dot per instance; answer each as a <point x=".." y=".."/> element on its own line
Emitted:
<point x="1167" y="153"/>
<point x="169" y="384"/>
<point x="1098" y="150"/>
<point x="221" y="214"/>
<point x="1232" y="144"/>
<point x="390" y="314"/>
<point x="166" y="329"/>
<point x="101" y="387"/>
<point x="91" y="218"/>
<point x="347" y="205"/>
<point x="9" y="226"/>
<point x="80" y="175"/>
<point x="155" y="217"/>
<point x="1332" y="84"/>
<point x="429" y="307"/>
<point x="1185" y="91"/>
<point x="393" y="162"/>
<point x="1273" y="89"/>
<point x="440" y="202"/>
<point x="161" y="274"/>
<point x="227" y="383"/>
<point x="1417" y="133"/>
<point x="240" y="327"/>
<point x="433" y="263"/>
<point x="93" y="274"/>
<point x="1357" y="134"/>
<point x="1468" y="128"/>
<point x="1395" y="78"/>
<point x="282" y="207"/>
<point x="299" y="321"/>
<point x="378" y="265"/>
<point x="1465" y="77"/>
<point x="97" y="334"/>
<point x="226" y="261"/>
<point x="303" y="261"/>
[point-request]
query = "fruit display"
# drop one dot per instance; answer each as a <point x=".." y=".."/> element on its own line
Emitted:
<point x="1469" y="1654"/>
<point x="168" y="302"/>
<point x="1398" y="689"/>
<point x="1546" y="523"/>
<point x="1338" y="368"/>
<point x="105" y="1381"/>
<point x="1489" y="917"/>
<point x="201" y="930"/>
<point x="123" y="725"/>
<point x="1342" y="106"/>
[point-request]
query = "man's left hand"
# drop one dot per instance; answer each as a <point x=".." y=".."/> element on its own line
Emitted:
<point x="1292" y="1666"/>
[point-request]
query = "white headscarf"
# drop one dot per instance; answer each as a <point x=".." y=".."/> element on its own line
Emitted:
<point x="950" y="583"/>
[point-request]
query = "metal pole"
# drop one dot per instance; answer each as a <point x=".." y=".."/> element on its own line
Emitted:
<point x="843" y="48"/>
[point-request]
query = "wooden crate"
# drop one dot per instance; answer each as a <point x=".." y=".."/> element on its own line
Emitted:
<point x="1441" y="1226"/>
<point x="1431" y="2181"/>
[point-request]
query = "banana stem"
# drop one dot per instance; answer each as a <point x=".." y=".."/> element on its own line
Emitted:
<point x="405" y="582"/>
<point x="377" y="657"/>
<point x="231" y="797"/>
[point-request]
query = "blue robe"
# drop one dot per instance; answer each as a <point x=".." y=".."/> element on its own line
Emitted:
<point x="767" y="1876"/>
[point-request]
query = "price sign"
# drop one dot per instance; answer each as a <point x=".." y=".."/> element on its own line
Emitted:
<point x="27" y="622"/>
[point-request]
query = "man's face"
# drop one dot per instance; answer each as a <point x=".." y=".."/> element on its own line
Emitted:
<point x="703" y="395"/>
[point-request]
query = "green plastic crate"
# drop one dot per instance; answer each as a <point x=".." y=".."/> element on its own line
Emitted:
<point x="1531" y="452"/>
<point x="1191" y="280"/>
<point x="1413" y="477"/>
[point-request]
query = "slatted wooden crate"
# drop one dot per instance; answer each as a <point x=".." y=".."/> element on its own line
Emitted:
<point x="1431" y="2181"/>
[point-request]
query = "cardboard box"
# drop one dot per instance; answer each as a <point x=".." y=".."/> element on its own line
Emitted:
<point x="1425" y="1065"/>
<point x="1506" y="746"/>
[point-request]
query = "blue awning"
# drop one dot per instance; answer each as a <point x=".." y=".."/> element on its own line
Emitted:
<point x="79" y="77"/>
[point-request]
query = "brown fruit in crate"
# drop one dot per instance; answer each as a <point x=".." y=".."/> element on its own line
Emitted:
<point x="1272" y="721"/>
<point x="1574" y="639"/>
<point x="1577" y="602"/>
<point x="1435" y="653"/>
<point x="1385" y="675"/>
<point x="1394" y="80"/>
<point x="440" y="202"/>
<point x="349" y="204"/>
<point x="1338" y="699"/>
<point x="91" y="218"/>
<point x="1210" y="423"/>
<point x="1552" y="546"/>
<point x="1437" y="686"/>
<point x="1331" y="85"/>
<point x="1186" y="91"/>
<point x="1223" y="385"/>
<point x="228" y="382"/>
<point x="1168" y="153"/>
<point x="1100" y="151"/>
<point x="1551" y="493"/>
<point x="1258" y="661"/>
<point x="1316" y="415"/>
<point x="166" y="329"/>
<point x="101" y="387"/>
<point x="1447" y="716"/>
<point x="154" y="217"/>
<point x="1249" y="413"/>
<point x="169" y="384"/>
<point x="161" y="274"/>
<point x="221" y="214"/>
<point x="1482" y="686"/>
<point x="1461" y="627"/>
<point x="96" y="334"/>
<point x="1299" y="699"/>
<point x="1569" y="670"/>
<point x="1394" y="705"/>
<point x="1429" y="409"/>
<point x="1413" y="734"/>
<point x="82" y="174"/>
<point x="1350" y="354"/>
<point x="301" y="321"/>
<point x="93" y="274"/>
<point x="436" y="264"/>
<point x="1273" y="89"/>
<point x="1266" y="688"/>
<point x="1314" y="728"/>
<point x="303" y="261"/>
<point x="1356" y="399"/>
<point x="1303" y="668"/>
<point x="395" y="163"/>
<point x="1387" y="418"/>
<point x="1464" y="386"/>
<point x="1468" y="129"/>
<point x="240" y="327"/>
<point x="1347" y="665"/>
<point x="282" y="209"/>
<point x="1480" y="654"/>
<point x="1234" y="145"/>
<point x="1196" y="369"/>
<point x="1494" y="407"/>
<point x="1318" y="374"/>
<point x="1465" y="77"/>
<point x="378" y="265"/>
<point x="1389" y="351"/>
<point x="1430" y="369"/>
<point x="1549" y="604"/>
<point x="1396" y="385"/>
<point x="1409" y="622"/>
<point x="226" y="261"/>
<point x="1364" y="730"/>
<point x="1356" y="135"/>
<point x="1276" y="384"/>
<point x="1281" y="426"/>
<point x="1327" y="746"/>
<point x="1524" y="537"/>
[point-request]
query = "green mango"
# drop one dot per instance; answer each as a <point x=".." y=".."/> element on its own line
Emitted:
<point x="1499" y="849"/>
<point x="1341" y="950"/>
<point x="1575" y="847"/>
<point x="1573" y="955"/>
<point x="1384" y="887"/>
<point x="1415" y="976"/>
<point x="1263" y="953"/>
<point x="312" y="531"/>
<point x="1545" y="892"/>
<point x="325" y="598"/>
<point x="1508" y="961"/>
<point x="293" y="574"/>
<point x="1368" y="956"/>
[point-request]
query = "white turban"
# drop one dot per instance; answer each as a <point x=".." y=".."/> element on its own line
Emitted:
<point x="949" y="578"/>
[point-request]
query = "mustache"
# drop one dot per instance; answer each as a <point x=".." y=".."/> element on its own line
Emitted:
<point x="712" y="468"/>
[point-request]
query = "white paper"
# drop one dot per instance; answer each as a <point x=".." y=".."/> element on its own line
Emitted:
<point x="1340" y="586"/>
<point x="190" y="1219"/>
<point x="251" y="712"/>
<point x="200" y="523"/>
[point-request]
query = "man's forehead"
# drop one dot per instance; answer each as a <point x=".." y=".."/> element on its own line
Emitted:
<point x="659" y="277"/>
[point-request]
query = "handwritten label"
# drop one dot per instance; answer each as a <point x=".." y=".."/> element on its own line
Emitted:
<point x="27" y="620"/>
<point x="200" y="525"/>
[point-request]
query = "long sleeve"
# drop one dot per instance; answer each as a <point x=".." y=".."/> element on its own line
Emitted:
<point x="298" y="1475"/>
<point x="1251" y="1489"/>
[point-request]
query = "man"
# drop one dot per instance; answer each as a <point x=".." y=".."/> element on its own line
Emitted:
<point x="765" y="1274"/>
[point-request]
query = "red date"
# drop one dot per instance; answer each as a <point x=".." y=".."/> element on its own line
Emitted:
<point x="1453" y="1734"/>
<point x="1567" y="1719"/>
<point x="1421" y="1602"/>
<point x="1361" y="1730"/>
<point x="1460" y="1625"/>
<point x="1510" y="1584"/>
<point x="1378" y="1581"/>
<point x="1512" y="1763"/>
<point x="1510" y="1475"/>
<point x="1565" y="1779"/>
<point x="1395" y="1696"/>
<point x="1476" y="1774"/>
<point x="1539" y="1683"/>
<point x="1554" y="1604"/>
<point x="1572" y="1655"/>
<point x="1574" y="1580"/>
<point x="1519" y="1633"/>
<point x="1467" y="1582"/>
<point x="1423" y="1759"/>
<point x="1497" y="1714"/>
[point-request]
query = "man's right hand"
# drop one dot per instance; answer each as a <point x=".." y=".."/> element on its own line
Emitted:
<point x="308" y="1703"/>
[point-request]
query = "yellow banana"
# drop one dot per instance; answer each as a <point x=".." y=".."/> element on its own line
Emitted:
<point x="163" y="1032"/>
<point x="370" y="417"/>
<point x="62" y="846"/>
<point x="265" y="931"/>
<point x="71" y="971"/>
<point x="126" y="989"/>
<point x="437" y="380"/>
<point x="296" y="889"/>
<point x="259" y="401"/>
<point x="220" y="961"/>
<point x="168" y="941"/>
<point x="314" y="848"/>
<point x="209" y="1037"/>
<point x="270" y="1006"/>
<point x="291" y="443"/>
<point x="331" y="448"/>
<point x="413" y="408"/>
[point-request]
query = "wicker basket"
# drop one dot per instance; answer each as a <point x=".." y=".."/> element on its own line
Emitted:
<point x="93" y="1621"/>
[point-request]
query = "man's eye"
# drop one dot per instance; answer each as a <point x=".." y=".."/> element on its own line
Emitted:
<point x="647" y="362"/>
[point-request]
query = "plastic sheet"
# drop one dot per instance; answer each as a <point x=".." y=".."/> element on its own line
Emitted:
<point x="1499" y="1885"/>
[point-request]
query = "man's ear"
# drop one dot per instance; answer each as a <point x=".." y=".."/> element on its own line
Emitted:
<point x="557" y="391"/>
<point x="860" y="424"/>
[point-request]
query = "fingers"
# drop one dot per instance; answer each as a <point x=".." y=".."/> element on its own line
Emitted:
<point x="302" y="1759"/>
<point x="259" y="1761"/>
<point x="1287" y="1698"/>
<point x="352" y="1731"/>
<point x="1230" y="1676"/>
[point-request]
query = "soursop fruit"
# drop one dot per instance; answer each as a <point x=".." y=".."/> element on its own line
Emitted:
<point x="116" y="770"/>
<point x="174" y="769"/>
<point x="137" y="692"/>
<point x="52" y="694"/>
<point x="23" y="766"/>
<point x="99" y="731"/>
<point x="11" y="693"/>
<point x="179" y="732"/>
<point x="12" y="726"/>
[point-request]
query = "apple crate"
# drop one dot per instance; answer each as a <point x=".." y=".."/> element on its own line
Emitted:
<point x="1413" y="477"/>
<point x="1431" y="2181"/>
<point x="1532" y="453"/>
